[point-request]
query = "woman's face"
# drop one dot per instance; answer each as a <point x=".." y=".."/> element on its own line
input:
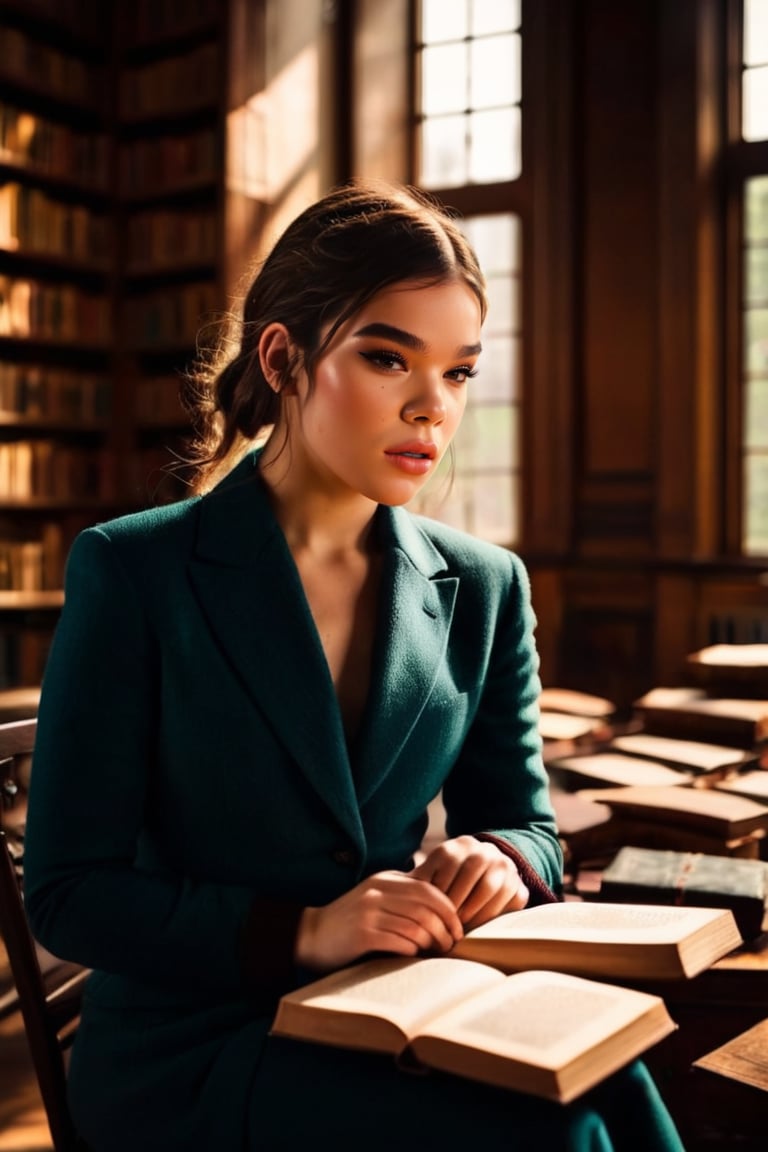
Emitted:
<point x="388" y="393"/>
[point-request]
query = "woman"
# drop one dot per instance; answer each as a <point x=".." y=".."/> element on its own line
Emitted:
<point x="254" y="694"/>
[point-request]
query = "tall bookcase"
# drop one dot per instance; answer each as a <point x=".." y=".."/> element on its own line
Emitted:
<point x="56" y="310"/>
<point x="113" y="246"/>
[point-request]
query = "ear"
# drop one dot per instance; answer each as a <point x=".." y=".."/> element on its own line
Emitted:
<point x="276" y="352"/>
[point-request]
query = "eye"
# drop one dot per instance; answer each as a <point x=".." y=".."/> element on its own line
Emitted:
<point x="385" y="358"/>
<point x="462" y="374"/>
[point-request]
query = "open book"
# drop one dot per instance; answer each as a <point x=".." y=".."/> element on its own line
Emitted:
<point x="545" y="1033"/>
<point x="613" y="941"/>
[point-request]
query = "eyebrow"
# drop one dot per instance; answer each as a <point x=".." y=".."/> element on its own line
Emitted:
<point x="408" y="340"/>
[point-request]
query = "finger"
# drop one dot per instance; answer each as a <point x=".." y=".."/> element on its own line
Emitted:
<point x="474" y="917"/>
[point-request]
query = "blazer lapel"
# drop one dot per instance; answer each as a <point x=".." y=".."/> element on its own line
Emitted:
<point x="249" y="589"/>
<point x="414" y="623"/>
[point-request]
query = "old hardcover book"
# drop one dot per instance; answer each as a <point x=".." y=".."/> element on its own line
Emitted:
<point x="689" y="713"/>
<point x="545" y="1033"/>
<point x="608" y="768"/>
<point x="743" y="1058"/>
<point x="606" y="941"/>
<point x="707" y="810"/>
<point x="657" y="876"/>
<point x="565" y="726"/>
<point x="575" y="703"/>
<point x="691" y="755"/>
<point x="753" y="785"/>
<point x="731" y="669"/>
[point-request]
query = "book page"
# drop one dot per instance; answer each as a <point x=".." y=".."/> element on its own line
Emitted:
<point x="578" y="1030"/>
<point x="405" y="992"/>
<point x="733" y="655"/>
<point x="619" y="769"/>
<point x="694" y="753"/>
<point x="594" y="923"/>
<point x="744" y="1058"/>
<point x="544" y="1018"/>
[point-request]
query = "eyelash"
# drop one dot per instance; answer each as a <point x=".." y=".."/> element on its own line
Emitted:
<point x="386" y="357"/>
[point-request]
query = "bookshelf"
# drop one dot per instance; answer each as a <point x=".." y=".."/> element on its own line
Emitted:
<point x="115" y="228"/>
<point x="56" y="312"/>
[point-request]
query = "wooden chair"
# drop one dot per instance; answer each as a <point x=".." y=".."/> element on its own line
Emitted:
<point x="48" y="991"/>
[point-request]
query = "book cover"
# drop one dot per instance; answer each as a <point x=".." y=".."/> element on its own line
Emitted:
<point x="657" y="876"/>
<point x="545" y="1033"/>
<point x="744" y="1058"/>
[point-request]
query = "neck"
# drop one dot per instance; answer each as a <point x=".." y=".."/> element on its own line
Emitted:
<point x="313" y="518"/>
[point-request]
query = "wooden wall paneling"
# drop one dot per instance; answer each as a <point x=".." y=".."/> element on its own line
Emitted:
<point x="619" y="230"/>
<point x="675" y="626"/>
<point x="547" y="599"/>
<point x="382" y="89"/>
<point x="549" y="336"/>
<point x="690" y="419"/>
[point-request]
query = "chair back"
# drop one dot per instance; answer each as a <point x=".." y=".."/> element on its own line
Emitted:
<point x="48" y="991"/>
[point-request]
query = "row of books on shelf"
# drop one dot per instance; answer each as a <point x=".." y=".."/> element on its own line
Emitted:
<point x="158" y="400"/>
<point x="171" y="239"/>
<point x="23" y="656"/>
<point x="77" y="13"/>
<point x="58" y="312"/>
<point x="151" y="20"/>
<point x="161" y="164"/>
<point x="60" y="74"/>
<point x="172" y="317"/>
<point x="33" y="392"/>
<point x="177" y="84"/>
<point x="53" y="149"/>
<point x="47" y="470"/>
<point x="31" y="221"/>
<point x="32" y="565"/>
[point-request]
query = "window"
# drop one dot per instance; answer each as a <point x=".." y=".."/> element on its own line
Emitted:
<point x="752" y="195"/>
<point x="468" y="151"/>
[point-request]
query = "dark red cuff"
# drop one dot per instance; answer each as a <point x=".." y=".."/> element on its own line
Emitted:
<point x="540" y="892"/>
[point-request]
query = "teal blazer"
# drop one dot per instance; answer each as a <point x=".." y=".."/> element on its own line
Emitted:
<point x="192" y="788"/>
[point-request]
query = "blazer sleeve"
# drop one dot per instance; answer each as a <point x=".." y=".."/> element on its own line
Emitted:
<point x="498" y="788"/>
<point x="87" y="898"/>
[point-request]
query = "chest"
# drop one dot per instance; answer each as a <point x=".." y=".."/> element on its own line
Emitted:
<point x="343" y="601"/>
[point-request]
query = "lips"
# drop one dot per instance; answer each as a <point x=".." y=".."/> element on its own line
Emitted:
<point x="414" y="450"/>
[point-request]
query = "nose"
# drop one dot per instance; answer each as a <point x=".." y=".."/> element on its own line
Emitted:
<point x="428" y="405"/>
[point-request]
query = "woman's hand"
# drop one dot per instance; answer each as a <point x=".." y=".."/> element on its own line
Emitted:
<point x="395" y="912"/>
<point x="479" y="880"/>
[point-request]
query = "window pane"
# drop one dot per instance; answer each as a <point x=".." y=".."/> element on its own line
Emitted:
<point x="495" y="72"/>
<point x="494" y="16"/>
<point x="756" y="277"/>
<point x="494" y="146"/>
<point x="756" y="503"/>
<point x="444" y="79"/>
<point x="493" y="504"/>
<point x="496" y="240"/>
<point x="444" y="152"/>
<point x="755" y="122"/>
<point x="756" y="340"/>
<point x="443" y="20"/>
<point x="757" y="414"/>
<point x="756" y="209"/>
<point x="755" y="32"/>
<point x="497" y="370"/>
<point x="503" y="304"/>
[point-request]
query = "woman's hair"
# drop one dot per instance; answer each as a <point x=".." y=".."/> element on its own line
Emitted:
<point x="342" y="250"/>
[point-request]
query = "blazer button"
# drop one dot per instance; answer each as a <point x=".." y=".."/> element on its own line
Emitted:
<point x="344" y="857"/>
